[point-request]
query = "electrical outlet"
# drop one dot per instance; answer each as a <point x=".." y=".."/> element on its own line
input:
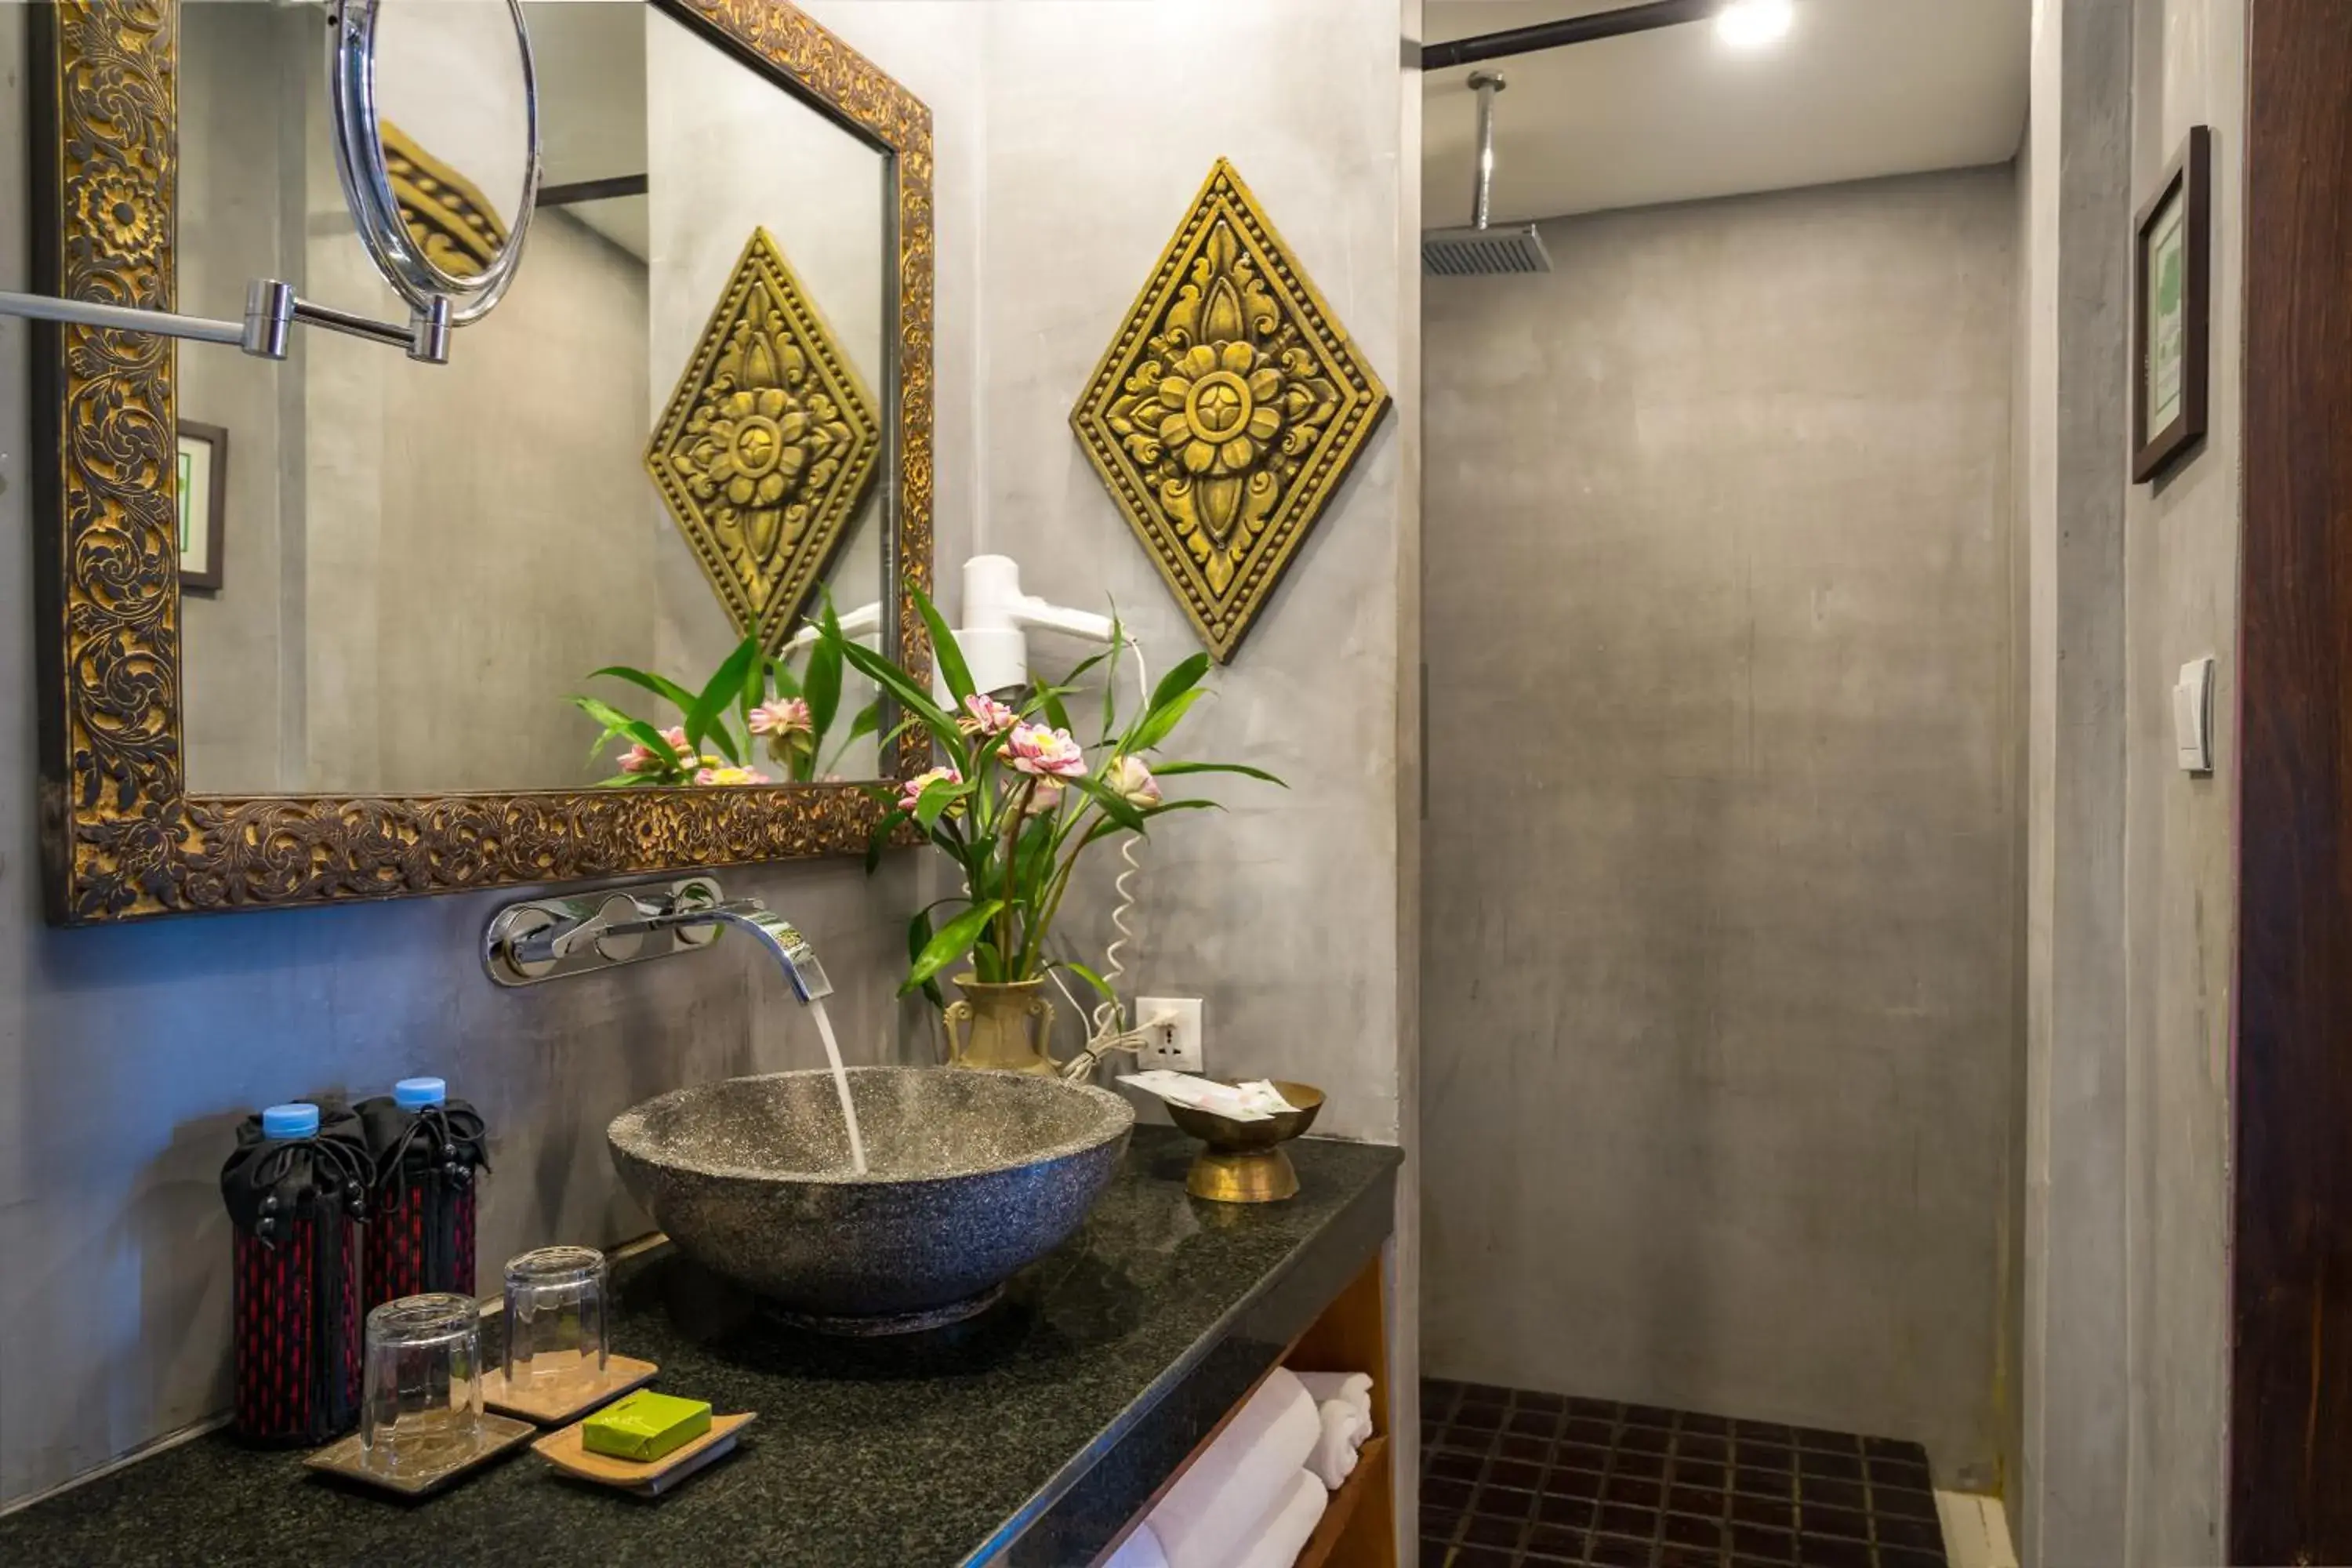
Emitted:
<point x="1175" y="1045"/>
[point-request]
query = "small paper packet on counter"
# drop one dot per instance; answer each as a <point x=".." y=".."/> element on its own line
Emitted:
<point x="1254" y="1101"/>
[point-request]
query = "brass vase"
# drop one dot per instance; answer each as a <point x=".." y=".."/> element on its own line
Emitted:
<point x="1004" y="1028"/>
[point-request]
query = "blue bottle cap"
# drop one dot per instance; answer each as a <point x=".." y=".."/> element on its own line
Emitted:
<point x="290" y="1121"/>
<point x="417" y="1093"/>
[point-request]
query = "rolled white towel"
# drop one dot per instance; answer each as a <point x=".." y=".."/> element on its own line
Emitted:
<point x="1354" y="1387"/>
<point x="1141" y="1550"/>
<point x="1282" y="1537"/>
<point x="1206" y="1520"/>
<point x="1344" y="1430"/>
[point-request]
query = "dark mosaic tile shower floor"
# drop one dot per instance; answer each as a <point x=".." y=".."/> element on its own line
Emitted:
<point x="1514" y="1479"/>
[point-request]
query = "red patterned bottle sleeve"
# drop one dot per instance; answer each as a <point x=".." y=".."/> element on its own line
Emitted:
<point x="296" y="1313"/>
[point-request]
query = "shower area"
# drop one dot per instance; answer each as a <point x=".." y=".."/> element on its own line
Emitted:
<point x="1722" y="903"/>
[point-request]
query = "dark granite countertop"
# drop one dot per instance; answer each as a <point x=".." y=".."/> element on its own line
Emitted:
<point x="1029" y="1435"/>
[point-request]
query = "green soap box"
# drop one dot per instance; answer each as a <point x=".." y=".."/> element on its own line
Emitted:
<point x="646" y="1425"/>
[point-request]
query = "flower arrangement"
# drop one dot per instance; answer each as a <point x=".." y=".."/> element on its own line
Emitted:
<point x="1016" y="801"/>
<point x="754" y="700"/>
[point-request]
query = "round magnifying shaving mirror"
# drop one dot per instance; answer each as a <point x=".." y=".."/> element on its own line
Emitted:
<point x="436" y="107"/>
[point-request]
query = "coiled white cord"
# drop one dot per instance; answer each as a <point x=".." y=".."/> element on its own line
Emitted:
<point x="1109" y="1030"/>
<point x="1109" y="1017"/>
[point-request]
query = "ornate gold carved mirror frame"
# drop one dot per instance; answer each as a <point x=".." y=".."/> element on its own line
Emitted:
<point x="122" y="837"/>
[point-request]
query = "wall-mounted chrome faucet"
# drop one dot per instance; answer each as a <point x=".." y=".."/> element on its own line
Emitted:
<point x="547" y="938"/>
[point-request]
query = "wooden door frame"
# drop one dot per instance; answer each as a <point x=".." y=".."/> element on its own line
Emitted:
<point x="2290" y="1443"/>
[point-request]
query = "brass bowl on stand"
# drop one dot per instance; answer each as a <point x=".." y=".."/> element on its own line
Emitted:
<point x="1245" y="1161"/>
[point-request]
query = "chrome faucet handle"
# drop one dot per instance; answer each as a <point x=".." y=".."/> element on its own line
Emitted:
<point x="544" y="939"/>
<point x="571" y="925"/>
<point x="548" y="938"/>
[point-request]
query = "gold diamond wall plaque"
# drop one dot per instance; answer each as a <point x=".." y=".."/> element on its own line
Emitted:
<point x="1227" y="411"/>
<point x="768" y="447"/>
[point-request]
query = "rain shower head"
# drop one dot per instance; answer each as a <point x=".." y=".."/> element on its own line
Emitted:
<point x="1481" y="251"/>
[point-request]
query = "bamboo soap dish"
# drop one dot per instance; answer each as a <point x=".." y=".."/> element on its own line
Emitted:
<point x="347" y="1459"/>
<point x="568" y="1399"/>
<point x="567" y="1450"/>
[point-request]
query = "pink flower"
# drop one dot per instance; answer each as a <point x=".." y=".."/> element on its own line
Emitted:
<point x="642" y="759"/>
<point x="731" y="777"/>
<point x="910" y="793"/>
<point x="1132" y="782"/>
<point x="984" y="715"/>
<point x="1045" y="753"/>
<point x="1045" y="798"/>
<point x="782" y="716"/>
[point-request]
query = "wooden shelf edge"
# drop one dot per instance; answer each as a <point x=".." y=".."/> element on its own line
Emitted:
<point x="1364" y="1479"/>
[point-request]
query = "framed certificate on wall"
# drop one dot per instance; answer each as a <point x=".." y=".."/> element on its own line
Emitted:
<point x="203" y="502"/>
<point x="2172" y="294"/>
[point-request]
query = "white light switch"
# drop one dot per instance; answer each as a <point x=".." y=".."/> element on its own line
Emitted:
<point x="2192" y="716"/>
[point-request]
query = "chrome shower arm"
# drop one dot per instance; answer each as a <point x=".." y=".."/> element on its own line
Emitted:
<point x="1487" y="84"/>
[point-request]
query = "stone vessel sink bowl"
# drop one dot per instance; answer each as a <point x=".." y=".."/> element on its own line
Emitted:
<point x="970" y="1176"/>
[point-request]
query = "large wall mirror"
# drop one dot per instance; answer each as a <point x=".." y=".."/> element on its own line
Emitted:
<point x="322" y="629"/>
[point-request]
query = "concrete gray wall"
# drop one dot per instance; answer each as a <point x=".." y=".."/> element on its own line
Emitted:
<point x="2067" y="1501"/>
<point x="2181" y="601"/>
<point x="231" y="177"/>
<point x="1315" y="695"/>
<point x="2131" y="897"/>
<point x="1294" y="914"/>
<point x="1718" y="1004"/>
<point x="2181" y="595"/>
<point x="126" y="1055"/>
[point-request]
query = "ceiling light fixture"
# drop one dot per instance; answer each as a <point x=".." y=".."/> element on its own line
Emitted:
<point x="1752" y="23"/>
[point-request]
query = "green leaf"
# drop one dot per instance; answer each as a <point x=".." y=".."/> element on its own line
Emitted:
<point x="949" y="943"/>
<point x="1158" y="725"/>
<point x="868" y="719"/>
<point x="1171" y="770"/>
<point x="661" y="686"/>
<point x="1166" y="806"/>
<point x="937" y="797"/>
<point x="918" y="936"/>
<point x="1033" y="858"/>
<point x="787" y="683"/>
<point x="755" y="687"/>
<point x="952" y="667"/>
<point x="1110" y="681"/>
<point x="604" y="713"/>
<point x="822" y="686"/>
<point x="726" y="685"/>
<point x="1178" y="681"/>
<point x="1113" y="806"/>
<point x="910" y="696"/>
<point x="1050" y="699"/>
<point x="1069" y="682"/>
<point x="1090" y="977"/>
<point x="616" y="723"/>
<point x="881" y="839"/>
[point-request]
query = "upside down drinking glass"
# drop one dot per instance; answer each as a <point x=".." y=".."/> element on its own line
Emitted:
<point x="555" y="1325"/>
<point x="421" y="1406"/>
